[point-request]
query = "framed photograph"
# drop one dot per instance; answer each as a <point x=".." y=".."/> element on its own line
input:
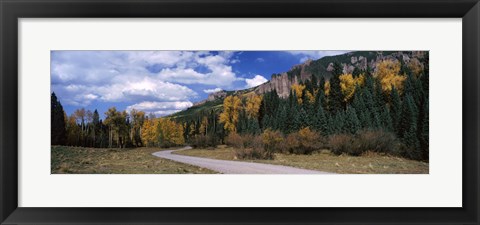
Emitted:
<point x="251" y="112"/>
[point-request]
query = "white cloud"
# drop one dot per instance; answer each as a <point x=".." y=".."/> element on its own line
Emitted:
<point x="257" y="80"/>
<point x="260" y="60"/>
<point x="305" y="55"/>
<point x="82" y="77"/>
<point x="208" y="91"/>
<point x="161" y="108"/>
<point x="123" y="90"/>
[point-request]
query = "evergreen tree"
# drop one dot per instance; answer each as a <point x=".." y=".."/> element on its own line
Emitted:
<point x="395" y="110"/>
<point x="253" y="126"/>
<point x="409" y="125"/>
<point x="352" y="123"/>
<point x="296" y="120"/>
<point x="96" y="127"/>
<point x="282" y="117"/>
<point x="321" y="121"/>
<point x="386" y="119"/>
<point x="338" y="125"/>
<point x="304" y="120"/>
<point x="336" y="96"/>
<point x="356" y="72"/>
<point x="57" y="118"/>
<point x="424" y="135"/>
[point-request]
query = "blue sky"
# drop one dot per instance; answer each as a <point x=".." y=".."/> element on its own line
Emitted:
<point x="161" y="82"/>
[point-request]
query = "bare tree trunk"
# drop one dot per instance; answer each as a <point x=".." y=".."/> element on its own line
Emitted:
<point x="110" y="136"/>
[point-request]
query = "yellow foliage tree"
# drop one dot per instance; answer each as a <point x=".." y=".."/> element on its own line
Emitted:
<point x="327" y="87"/>
<point x="148" y="134"/>
<point x="231" y="109"/>
<point x="204" y="126"/>
<point x="310" y="96"/>
<point x="169" y="133"/>
<point x="388" y="72"/>
<point x="298" y="89"/>
<point x="191" y="130"/>
<point x="253" y="105"/>
<point x="348" y="84"/>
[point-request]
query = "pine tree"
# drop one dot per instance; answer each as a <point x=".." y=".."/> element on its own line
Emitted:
<point x="321" y="120"/>
<point x="386" y="119"/>
<point x="57" y="119"/>
<point x="96" y="127"/>
<point x="338" y="125"/>
<point x="304" y="120"/>
<point x="352" y="123"/>
<point x="409" y="125"/>
<point x="296" y="120"/>
<point x="395" y="110"/>
<point x="282" y="117"/>
<point x="424" y="135"/>
<point x="335" y="97"/>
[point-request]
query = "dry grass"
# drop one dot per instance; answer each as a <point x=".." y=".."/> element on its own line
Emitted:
<point x="368" y="163"/>
<point x="115" y="161"/>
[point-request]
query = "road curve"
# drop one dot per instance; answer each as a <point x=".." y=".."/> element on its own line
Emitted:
<point x="232" y="167"/>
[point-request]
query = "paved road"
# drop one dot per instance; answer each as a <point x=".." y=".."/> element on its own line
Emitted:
<point x="232" y="167"/>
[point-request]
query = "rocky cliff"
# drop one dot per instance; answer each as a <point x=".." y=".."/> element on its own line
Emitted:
<point x="283" y="82"/>
<point x="320" y="68"/>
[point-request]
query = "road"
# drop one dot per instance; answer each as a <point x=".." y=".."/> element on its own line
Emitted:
<point x="232" y="167"/>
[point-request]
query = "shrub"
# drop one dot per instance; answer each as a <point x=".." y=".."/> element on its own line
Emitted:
<point x="254" y="151"/>
<point x="304" y="141"/>
<point x="204" y="141"/>
<point x="363" y="141"/>
<point x="292" y="142"/>
<point x="234" y="140"/>
<point x="273" y="141"/>
<point x="247" y="140"/>
<point x="342" y="143"/>
<point x="378" y="141"/>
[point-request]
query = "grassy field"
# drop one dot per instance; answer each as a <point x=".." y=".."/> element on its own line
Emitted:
<point x="370" y="163"/>
<point x="115" y="161"/>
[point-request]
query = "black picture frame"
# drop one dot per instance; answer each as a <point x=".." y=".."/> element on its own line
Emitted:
<point x="12" y="10"/>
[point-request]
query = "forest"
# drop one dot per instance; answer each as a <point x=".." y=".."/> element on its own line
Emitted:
<point x="383" y="110"/>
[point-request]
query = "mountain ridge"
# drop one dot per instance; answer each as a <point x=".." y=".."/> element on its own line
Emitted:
<point x="321" y="68"/>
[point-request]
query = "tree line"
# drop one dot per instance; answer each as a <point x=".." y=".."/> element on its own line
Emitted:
<point x="120" y="129"/>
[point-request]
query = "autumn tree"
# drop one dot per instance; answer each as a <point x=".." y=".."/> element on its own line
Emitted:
<point x="252" y="106"/>
<point x="203" y="126"/>
<point x="148" y="134"/>
<point x="298" y="90"/>
<point x="231" y="109"/>
<point x="169" y="133"/>
<point x="348" y="84"/>
<point x="388" y="73"/>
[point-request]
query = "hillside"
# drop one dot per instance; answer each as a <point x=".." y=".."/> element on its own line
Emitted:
<point x="321" y="68"/>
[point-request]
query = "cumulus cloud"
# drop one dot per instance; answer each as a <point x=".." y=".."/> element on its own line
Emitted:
<point x="305" y="55"/>
<point x="83" y="77"/>
<point x="161" y="108"/>
<point x="208" y="91"/>
<point x="253" y="82"/>
<point x="123" y="90"/>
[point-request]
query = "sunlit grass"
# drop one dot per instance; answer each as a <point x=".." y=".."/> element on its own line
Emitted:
<point x="115" y="161"/>
<point x="369" y="163"/>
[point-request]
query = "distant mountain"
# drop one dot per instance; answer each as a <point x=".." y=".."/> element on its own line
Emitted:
<point x="321" y="68"/>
